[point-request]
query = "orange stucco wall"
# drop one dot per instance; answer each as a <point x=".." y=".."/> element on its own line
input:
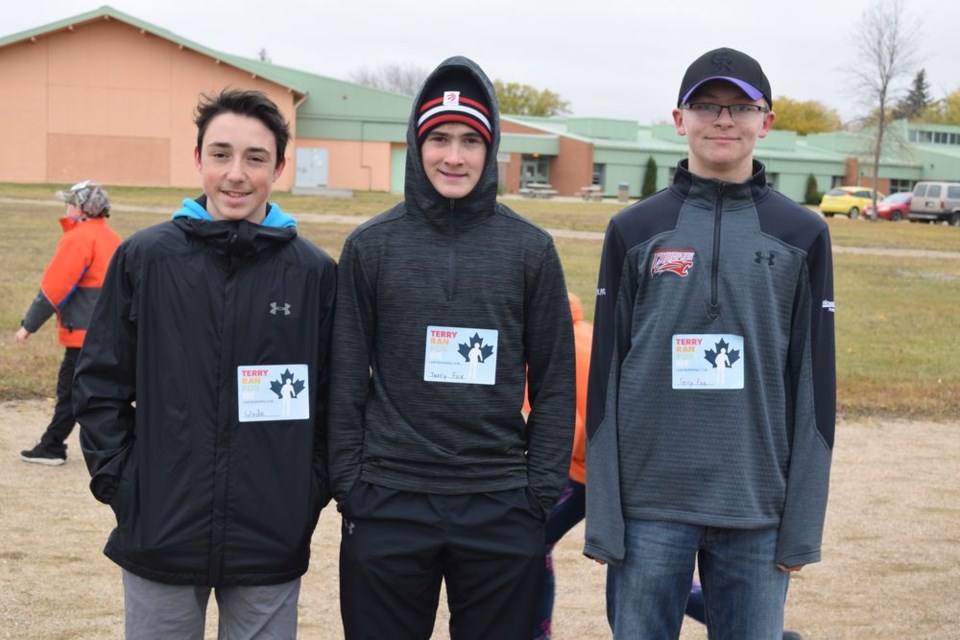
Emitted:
<point x="107" y="102"/>
<point x="363" y="166"/>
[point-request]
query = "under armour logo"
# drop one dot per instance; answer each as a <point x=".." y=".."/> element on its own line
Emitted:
<point x="722" y="62"/>
<point x="274" y="308"/>
<point x="768" y="257"/>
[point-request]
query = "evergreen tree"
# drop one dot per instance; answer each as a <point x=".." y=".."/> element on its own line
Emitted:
<point x="812" y="196"/>
<point x="916" y="102"/>
<point x="649" y="179"/>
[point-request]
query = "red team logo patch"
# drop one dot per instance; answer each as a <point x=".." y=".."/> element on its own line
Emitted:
<point x="678" y="261"/>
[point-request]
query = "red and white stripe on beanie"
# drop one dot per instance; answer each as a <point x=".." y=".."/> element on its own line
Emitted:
<point x="454" y="106"/>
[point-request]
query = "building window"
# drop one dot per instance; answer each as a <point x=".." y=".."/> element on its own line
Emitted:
<point x="534" y="168"/>
<point x="900" y="185"/>
<point x="934" y="137"/>
<point x="599" y="174"/>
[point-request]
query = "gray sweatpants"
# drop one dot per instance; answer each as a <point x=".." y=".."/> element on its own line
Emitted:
<point x="157" y="611"/>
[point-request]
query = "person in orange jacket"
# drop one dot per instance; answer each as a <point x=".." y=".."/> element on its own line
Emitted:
<point x="570" y="507"/>
<point x="69" y="289"/>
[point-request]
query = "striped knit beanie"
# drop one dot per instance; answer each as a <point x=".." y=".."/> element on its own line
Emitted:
<point x="454" y="98"/>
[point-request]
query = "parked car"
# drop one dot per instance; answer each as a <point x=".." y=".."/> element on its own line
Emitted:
<point x="894" y="207"/>
<point x="936" y="202"/>
<point x="848" y="201"/>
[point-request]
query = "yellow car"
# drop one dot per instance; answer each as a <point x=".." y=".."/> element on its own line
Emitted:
<point x="847" y="201"/>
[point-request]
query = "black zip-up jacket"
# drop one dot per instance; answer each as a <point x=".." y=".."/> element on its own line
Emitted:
<point x="189" y="307"/>
<point x="469" y="263"/>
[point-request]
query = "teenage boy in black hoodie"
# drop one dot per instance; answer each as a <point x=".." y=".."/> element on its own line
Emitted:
<point x="446" y="303"/>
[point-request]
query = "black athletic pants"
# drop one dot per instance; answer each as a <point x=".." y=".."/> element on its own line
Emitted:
<point x="62" y="422"/>
<point x="398" y="545"/>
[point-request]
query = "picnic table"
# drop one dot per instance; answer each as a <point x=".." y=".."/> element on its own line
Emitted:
<point x="592" y="192"/>
<point x="538" y="190"/>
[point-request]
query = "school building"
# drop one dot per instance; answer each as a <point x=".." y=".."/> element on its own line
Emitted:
<point x="106" y="95"/>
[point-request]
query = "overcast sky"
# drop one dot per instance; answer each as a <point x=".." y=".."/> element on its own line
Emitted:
<point x="608" y="58"/>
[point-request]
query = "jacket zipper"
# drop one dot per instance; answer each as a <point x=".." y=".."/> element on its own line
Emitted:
<point x="713" y="311"/>
<point x="452" y="254"/>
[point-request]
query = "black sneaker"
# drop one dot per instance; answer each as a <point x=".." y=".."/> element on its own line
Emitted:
<point x="42" y="454"/>
<point x="792" y="635"/>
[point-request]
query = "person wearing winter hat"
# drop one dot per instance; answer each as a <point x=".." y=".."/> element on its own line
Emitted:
<point x="69" y="289"/>
<point x="445" y="302"/>
<point x="689" y="464"/>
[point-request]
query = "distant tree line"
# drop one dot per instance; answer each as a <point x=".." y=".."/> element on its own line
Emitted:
<point x="805" y="117"/>
<point x="515" y="98"/>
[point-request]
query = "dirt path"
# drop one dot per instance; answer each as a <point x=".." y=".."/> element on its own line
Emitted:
<point x="890" y="570"/>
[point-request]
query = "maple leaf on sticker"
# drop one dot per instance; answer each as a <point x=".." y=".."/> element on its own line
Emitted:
<point x="485" y="350"/>
<point x="711" y="356"/>
<point x="277" y="385"/>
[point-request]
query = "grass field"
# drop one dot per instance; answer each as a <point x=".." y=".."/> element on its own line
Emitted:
<point x="897" y="337"/>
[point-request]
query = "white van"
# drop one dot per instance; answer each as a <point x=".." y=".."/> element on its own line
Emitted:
<point x="936" y="202"/>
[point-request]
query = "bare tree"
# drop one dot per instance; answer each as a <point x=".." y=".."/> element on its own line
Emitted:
<point x="263" y="56"/>
<point x="392" y="76"/>
<point x="886" y="54"/>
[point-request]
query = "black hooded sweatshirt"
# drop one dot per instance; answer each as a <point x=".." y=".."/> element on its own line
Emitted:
<point x="419" y="287"/>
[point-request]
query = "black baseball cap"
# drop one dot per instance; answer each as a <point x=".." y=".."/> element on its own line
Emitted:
<point x="729" y="65"/>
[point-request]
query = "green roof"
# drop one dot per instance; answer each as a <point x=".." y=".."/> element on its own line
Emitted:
<point x="332" y="98"/>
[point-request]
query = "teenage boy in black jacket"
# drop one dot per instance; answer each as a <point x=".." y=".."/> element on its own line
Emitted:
<point x="201" y="393"/>
<point x="447" y="302"/>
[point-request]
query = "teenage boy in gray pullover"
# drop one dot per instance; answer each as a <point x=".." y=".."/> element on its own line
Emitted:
<point x="447" y="302"/>
<point x="711" y="408"/>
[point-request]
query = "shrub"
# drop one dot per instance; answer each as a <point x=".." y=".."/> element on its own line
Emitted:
<point x="649" y="179"/>
<point x="812" y="196"/>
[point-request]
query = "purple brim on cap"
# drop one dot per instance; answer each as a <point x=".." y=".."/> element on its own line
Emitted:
<point x="749" y="89"/>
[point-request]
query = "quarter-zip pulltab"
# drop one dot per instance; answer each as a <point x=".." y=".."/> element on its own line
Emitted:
<point x="713" y="311"/>
<point x="452" y="254"/>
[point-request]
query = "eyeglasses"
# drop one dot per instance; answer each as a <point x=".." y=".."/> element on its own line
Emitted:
<point x="738" y="112"/>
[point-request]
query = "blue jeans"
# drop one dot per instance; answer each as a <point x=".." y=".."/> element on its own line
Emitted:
<point x="744" y="592"/>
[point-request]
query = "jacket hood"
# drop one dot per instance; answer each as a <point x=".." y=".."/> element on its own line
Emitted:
<point x="235" y="241"/>
<point x="420" y="196"/>
<point x="197" y="209"/>
<point x="69" y="224"/>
